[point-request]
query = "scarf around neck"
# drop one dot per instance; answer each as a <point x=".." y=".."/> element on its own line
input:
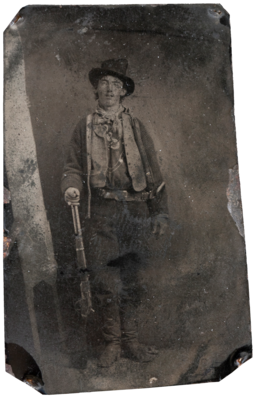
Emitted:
<point x="109" y="125"/>
<point x="109" y="115"/>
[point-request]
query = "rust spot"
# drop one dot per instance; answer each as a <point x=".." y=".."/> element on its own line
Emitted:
<point x="7" y="242"/>
<point x="17" y="18"/>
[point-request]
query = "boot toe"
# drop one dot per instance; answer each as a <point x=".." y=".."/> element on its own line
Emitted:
<point x="139" y="352"/>
<point x="109" y="356"/>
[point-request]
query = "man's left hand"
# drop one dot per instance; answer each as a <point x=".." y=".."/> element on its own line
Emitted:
<point x="159" y="225"/>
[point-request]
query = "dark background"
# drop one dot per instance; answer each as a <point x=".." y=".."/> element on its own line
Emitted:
<point x="180" y="60"/>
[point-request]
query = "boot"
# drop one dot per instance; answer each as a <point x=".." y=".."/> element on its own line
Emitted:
<point x="110" y="354"/>
<point x="112" y="335"/>
<point x="131" y="347"/>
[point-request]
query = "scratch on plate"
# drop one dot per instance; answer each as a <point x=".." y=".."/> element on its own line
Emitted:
<point x="152" y="380"/>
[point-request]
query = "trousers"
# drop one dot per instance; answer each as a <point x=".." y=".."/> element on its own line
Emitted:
<point x="116" y="246"/>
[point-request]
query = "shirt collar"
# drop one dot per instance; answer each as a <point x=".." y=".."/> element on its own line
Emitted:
<point x="111" y="115"/>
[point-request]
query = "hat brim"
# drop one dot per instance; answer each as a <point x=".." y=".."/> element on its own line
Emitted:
<point x="97" y="73"/>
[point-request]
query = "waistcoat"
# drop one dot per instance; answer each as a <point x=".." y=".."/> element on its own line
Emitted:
<point x="97" y="155"/>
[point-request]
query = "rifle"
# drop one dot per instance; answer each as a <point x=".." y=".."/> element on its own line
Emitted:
<point x="86" y="300"/>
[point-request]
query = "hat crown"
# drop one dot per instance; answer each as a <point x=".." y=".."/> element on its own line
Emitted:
<point x="116" y="65"/>
<point x="116" y="68"/>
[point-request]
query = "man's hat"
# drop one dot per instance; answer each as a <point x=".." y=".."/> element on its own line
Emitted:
<point x="116" y="68"/>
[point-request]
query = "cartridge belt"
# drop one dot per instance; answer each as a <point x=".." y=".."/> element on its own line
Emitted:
<point x="123" y="195"/>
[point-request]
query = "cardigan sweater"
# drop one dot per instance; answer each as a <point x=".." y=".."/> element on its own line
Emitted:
<point x="145" y="172"/>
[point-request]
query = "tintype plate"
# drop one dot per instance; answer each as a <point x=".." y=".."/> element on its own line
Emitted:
<point x="124" y="242"/>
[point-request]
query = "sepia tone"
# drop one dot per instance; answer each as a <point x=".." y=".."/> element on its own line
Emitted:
<point x="163" y="300"/>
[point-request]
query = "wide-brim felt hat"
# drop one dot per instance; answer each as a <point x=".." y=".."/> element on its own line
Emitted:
<point x="116" y="68"/>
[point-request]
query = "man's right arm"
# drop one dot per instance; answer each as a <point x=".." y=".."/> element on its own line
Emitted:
<point x="72" y="181"/>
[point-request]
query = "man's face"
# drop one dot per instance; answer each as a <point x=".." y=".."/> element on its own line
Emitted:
<point x="109" y="90"/>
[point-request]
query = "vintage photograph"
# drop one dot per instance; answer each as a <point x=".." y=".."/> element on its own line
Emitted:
<point x="125" y="263"/>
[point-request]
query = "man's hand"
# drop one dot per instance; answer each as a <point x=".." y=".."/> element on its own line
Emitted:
<point x="72" y="196"/>
<point x="159" y="225"/>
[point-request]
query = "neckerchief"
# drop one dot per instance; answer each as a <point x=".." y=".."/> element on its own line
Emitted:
<point x="109" y="124"/>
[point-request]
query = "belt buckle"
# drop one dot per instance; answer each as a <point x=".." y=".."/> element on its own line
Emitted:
<point x="120" y="195"/>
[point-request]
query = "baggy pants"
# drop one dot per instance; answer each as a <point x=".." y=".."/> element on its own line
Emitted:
<point x="116" y="246"/>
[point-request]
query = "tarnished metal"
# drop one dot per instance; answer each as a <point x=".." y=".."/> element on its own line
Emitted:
<point x="170" y="275"/>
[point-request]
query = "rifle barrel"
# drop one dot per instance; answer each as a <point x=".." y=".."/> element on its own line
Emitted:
<point x="79" y="230"/>
<point x="74" y="219"/>
<point x="86" y="301"/>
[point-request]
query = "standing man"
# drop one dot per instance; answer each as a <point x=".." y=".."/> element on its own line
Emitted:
<point x="112" y="166"/>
